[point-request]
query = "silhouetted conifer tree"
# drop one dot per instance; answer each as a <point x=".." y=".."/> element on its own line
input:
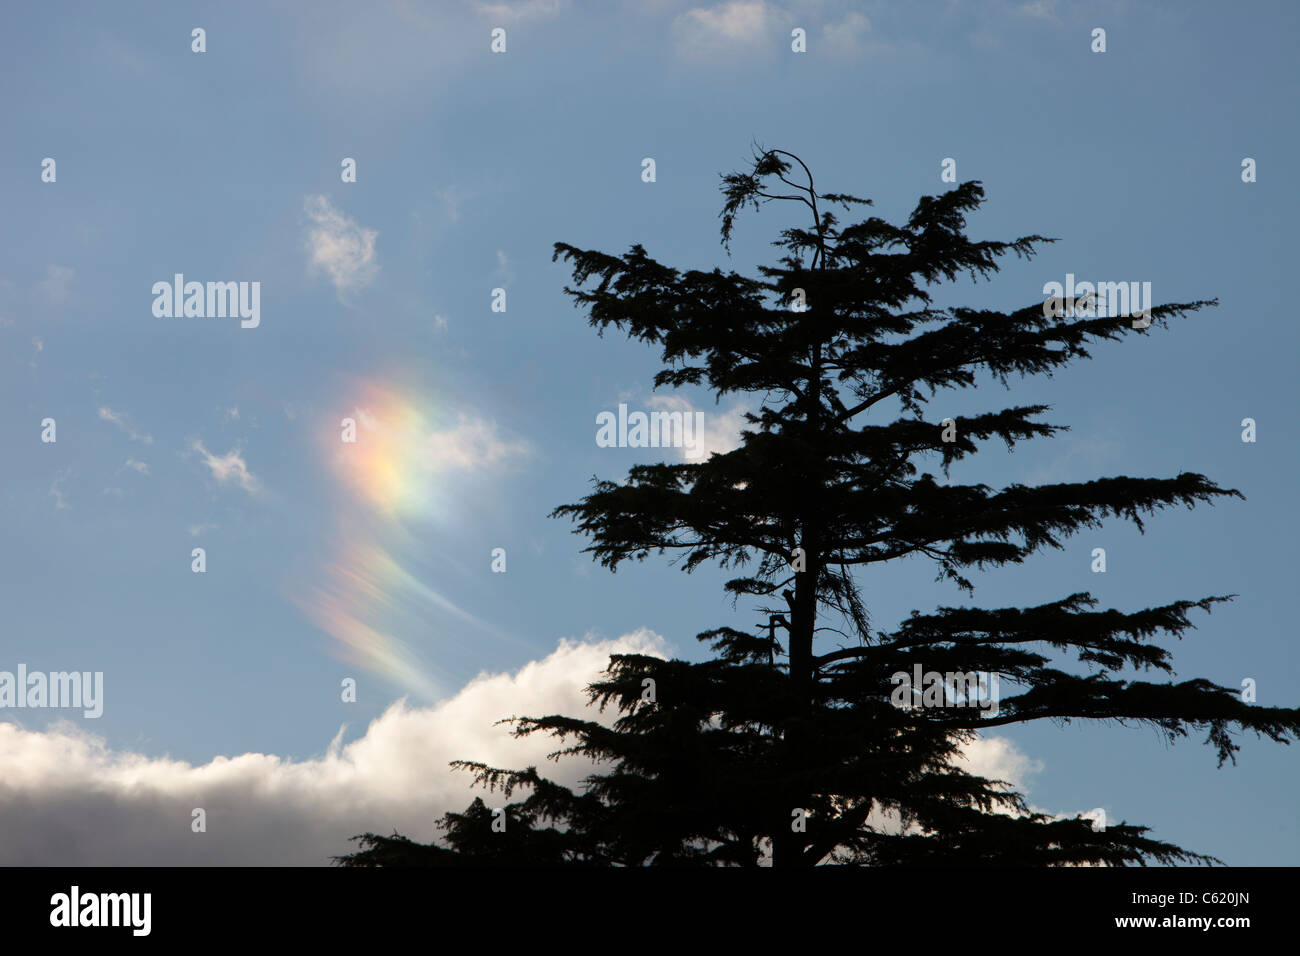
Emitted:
<point x="781" y="748"/>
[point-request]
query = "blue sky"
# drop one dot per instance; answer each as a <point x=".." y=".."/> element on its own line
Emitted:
<point x="176" y="433"/>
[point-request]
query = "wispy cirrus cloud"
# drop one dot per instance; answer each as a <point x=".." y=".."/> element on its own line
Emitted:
<point x="503" y="267"/>
<point x="845" y="37"/>
<point x="472" y="443"/>
<point x="453" y="197"/>
<point x="520" y="11"/>
<point x="1039" y="9"/>
<point x="412" y="458"/>
<point x="121" y="420"/>
<point x="56" y="287"/>
<point x="229" y="468"/>
<point x="340" y="247"/>
<point x="56" y="490"/>
<point x="1077" y="458"/>
<point x="722" y="32"/>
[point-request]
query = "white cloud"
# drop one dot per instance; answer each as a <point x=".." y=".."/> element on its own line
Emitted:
<point x="348" y="56"/>
<point x="7" y="290"/>
<point x="472" y="443"/>
<point x="137" y="466"/>
<point x="340" y="247"/>
<point x="121" y="421"/>
<point x="54" y="288"/>
<point x="733" y="27"/>
<point x="454" y="197"/>
<point x="503" y="267"/>
<point x="1039" y="9"/>
<point x="56" y="489"/>
<point x="519" y="11"/>
<point x="844" y="38"/>
<point x="998" y="758"/>
<point x="367" y="421"/>
<point x="228" y="468"/>
<point x="1077" y="459"/>
<point x="67" y="799"/>
<point x="721" y="429"/>
<point x="994" y="758"/>
<point x="119" y="55"/>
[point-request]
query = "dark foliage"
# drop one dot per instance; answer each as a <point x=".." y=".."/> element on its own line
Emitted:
<point x="714" y="768"/>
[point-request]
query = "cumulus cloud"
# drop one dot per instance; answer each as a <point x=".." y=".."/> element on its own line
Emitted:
<point x="68" y="799"/>
<point x="229" y="468"/>
<point x="997" y="758"/>
<point x="338" y="246"/>
<point x="721" y="431"/>
<point x="123" y="422"/>
<point x="994" y="758"/>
